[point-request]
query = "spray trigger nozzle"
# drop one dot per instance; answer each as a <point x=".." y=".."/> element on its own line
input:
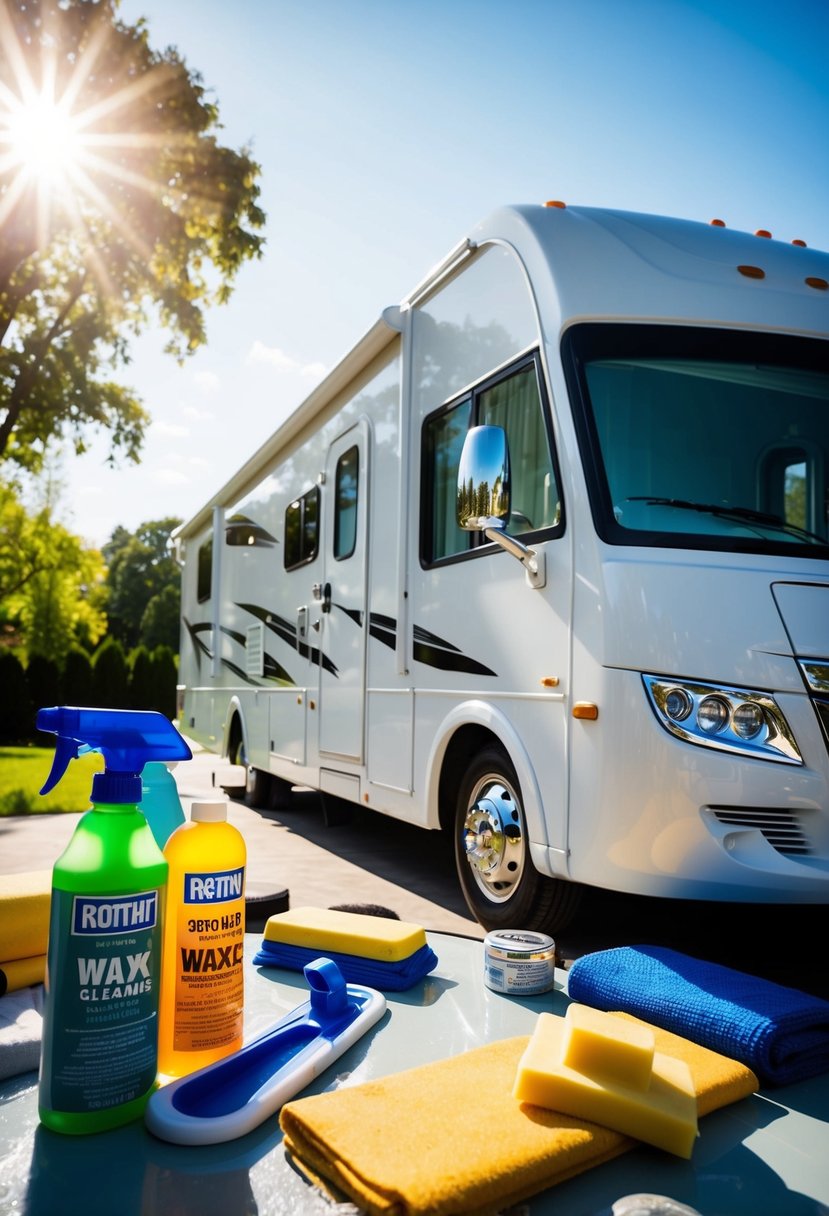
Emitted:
<point x="66" y="750"/>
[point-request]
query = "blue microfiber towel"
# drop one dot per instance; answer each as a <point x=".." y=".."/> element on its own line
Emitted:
<point x="388" y="977"/>
<point x="780" y="1033"/>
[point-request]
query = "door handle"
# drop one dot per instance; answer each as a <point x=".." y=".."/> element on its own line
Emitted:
<point x="326" y="597"/>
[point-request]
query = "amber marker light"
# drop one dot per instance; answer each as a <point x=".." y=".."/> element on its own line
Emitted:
<point x="586" y="710"/>
<point x="716" y="223"/>
<point x="550" y="681"/>
<point x="800" y="244"/>
<point x="555" y="202"/>
<point x="764" y="232"/>
<point x="752" y="272"/>
<point x="818" y="284"/>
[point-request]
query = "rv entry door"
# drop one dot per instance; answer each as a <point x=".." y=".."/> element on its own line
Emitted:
<point x="343" y="593"/>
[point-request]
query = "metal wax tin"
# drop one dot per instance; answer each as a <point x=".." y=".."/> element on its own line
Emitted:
<point x="519" y="961"/>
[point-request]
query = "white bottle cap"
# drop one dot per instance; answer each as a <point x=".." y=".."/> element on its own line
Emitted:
<point x="212" y="811"/>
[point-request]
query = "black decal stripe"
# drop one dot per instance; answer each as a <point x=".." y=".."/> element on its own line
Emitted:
<point x="275" y="671"/>
<point x="446" y="660"/>
<point x="287" y="632"/>
<point x="237" y="671"/>
<point x="198" y="645"/>
<point x="431" y="639"/>
<point x="352" y="613"/>
<point x="235" y="635"/>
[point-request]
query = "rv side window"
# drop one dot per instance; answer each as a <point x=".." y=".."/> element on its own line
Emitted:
<point x="346" y="483"/>
<point x="512" y="401"/>
<point x="204" y="571"/>
<point x="302" y="529"/>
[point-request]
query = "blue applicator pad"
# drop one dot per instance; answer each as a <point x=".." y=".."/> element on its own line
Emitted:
<point x="387" y="976"/>
<point x="229" y="1098"/>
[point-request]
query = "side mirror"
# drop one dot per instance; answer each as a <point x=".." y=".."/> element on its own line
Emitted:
<point x="483" y="503"/>
<point x="484" y="479"/>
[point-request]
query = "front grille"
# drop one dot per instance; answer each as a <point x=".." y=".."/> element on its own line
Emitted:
<point x="779" y="827"/>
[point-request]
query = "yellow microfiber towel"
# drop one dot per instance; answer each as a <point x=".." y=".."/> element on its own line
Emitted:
<point x="391" y="1145"/>
<point x="22" y="973"/>
<point x="24" y="914"/>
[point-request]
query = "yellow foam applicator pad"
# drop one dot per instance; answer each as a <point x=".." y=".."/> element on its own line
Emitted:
<point x="393" y="1146"/>
<point x="375" y="937"/>
<point x="25" y="900"/>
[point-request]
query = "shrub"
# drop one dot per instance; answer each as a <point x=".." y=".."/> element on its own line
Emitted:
<point x="16" y="717"/>
<point x="110" y="676"/>
<point x="77" y="677"/>
<point x="44" y="682"/>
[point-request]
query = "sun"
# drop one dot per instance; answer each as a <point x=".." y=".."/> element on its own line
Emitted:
<point x="42" y="140"/>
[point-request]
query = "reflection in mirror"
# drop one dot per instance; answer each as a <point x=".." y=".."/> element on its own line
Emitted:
<point x="484" y="479"/>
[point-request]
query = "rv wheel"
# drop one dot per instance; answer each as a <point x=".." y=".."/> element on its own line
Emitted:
<point x="500" y="884"/>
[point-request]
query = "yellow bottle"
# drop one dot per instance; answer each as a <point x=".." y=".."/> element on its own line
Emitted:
<point x="202" y="982"/>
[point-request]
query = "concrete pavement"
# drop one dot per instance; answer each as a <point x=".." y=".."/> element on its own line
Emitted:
<point x="374" y="860"/>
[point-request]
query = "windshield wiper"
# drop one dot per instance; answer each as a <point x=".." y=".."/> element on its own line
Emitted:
<point x="743" y="513"/>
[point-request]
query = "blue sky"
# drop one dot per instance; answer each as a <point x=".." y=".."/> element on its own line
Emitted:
<point x="386" y="130"/>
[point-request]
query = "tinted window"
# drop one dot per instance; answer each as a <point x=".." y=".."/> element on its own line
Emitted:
<point x="512" y="401"/>
<point x="346" y="482"/>
<point x="302" y="529"/>
<point x="204" y="576"/>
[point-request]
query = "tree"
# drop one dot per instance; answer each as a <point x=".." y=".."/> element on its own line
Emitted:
<point x="51" y="584"/>
<point x="44" y="682"/>
<point x="118" y="205"/>
<point x="161" y="622"/>
<point x="140" y="567"/>
<point x="110" y="676"/>
<point x="77" y="677"/>
<point x="16" y="718"/>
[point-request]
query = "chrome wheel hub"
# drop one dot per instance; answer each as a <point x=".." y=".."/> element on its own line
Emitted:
<point x="493" y="838"/>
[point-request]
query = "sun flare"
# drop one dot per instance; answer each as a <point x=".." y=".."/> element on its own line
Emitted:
<point x="43" y="139"/>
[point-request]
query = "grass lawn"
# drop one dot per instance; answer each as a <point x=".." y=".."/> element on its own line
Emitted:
<point x="23" y="770"/>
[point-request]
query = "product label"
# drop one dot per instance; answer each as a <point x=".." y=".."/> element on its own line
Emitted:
<point x="209" y="974"/>
<point x="100" y="1034"/>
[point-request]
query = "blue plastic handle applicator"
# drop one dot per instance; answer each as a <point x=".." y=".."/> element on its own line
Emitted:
<point x="236" y="1094"/>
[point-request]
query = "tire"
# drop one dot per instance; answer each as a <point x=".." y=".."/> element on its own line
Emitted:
<point x="257" y="782"/>
<point x="501" y="886"/>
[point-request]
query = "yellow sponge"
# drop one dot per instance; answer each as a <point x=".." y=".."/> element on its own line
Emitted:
<point x="664" y="1113"/>
<point x="25" y="900"/>
<point x="374" y="937"/>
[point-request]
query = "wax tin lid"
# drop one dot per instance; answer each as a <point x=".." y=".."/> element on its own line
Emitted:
<point x="519" y="943"/>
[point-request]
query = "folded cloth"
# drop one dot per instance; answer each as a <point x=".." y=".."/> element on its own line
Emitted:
<point x="388" y="977"/>
<point x="24" y="914"/>
<point x="391" y="1145"/>
<point x="21" y="972"/>
<point x="780" y="1033"/>
<point x="21" y="1029"/>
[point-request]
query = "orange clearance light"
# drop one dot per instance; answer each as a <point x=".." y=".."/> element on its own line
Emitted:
<point x="800" y="244"/>
<point x="586" y="710"/>
<point x="717" y="223"/>
<point x="752" y="272"/>
<point x="763" y="232"/>
<point x="555" y="202"/>
<point x="818" y="284"/>
<point x="549" y="681"/>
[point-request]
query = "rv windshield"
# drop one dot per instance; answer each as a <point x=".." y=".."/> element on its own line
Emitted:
<point x="703" y="438"/>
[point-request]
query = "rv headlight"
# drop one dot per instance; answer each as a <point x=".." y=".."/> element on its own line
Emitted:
<point x="712" y="715"/>
<point x="729" y="719"/>
<point x="747" y="720"/>
<point x="678" y="704"/>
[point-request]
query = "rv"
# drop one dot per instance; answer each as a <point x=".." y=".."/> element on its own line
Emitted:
<point x="543" y="563"/>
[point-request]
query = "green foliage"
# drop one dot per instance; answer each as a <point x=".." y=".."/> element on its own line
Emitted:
<point x="165" y="676"/>
<point x="44" y="680"/>
<point x="77" y="677"/>
<point x="161" y="622"/>
<point x="140" y="568"/>
<point x="110" y="676"/>
<point x="149" y="221"/>
<point x="142" y="685"/>
<point x="23" y="771"/>
<point x="15" y="702"/>
<point x="50" y="581"/>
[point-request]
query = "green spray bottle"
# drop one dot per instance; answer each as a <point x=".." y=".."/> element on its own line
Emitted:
<point x="100" y="1020"/>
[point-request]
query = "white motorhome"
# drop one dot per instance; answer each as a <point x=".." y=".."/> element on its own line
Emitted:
<point x="544" y="562"/>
